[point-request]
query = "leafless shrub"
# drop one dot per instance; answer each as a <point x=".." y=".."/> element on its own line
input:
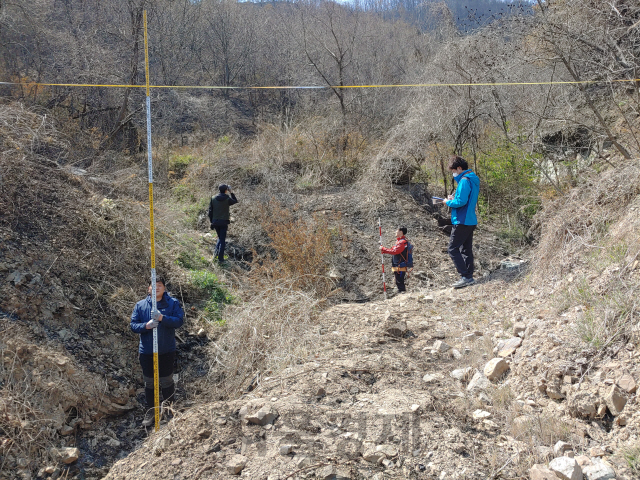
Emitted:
<point x="26" y="132"/>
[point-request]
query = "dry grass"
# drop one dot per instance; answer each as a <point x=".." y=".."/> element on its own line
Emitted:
<point x="40" y="391"/>
<point x="578" y="222"/>
<point x="303" y="248"/>
<point x="264" y="335"/>
<point x="284" y="292"/>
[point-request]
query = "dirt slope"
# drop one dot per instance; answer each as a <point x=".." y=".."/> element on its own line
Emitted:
<point x="378" y="399"/>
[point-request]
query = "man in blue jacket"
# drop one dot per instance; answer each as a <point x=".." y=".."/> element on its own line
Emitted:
<point x="166" y="319"/>
<point x="464" y="220"/>
<point x="220" y="217"/>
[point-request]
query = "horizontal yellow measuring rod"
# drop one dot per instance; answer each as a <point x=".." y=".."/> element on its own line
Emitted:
<point x="318" y="87"/>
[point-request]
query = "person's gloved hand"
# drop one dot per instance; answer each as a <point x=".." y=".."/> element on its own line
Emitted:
<point x="151" y="324"/>
<point x="156" y="315"/>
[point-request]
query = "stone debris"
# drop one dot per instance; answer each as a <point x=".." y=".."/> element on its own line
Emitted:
<point x="480" y="414"/>
<point x="566" y="468"/>
<point x="398" y="329"/>
<point x="627" y="383"/>
<point x="508" y="347"/>
<point x="236" y="464"/>
<point x="598" y="470"/>
<point x="615" y="401"/>
<point x="495" y="368"/>
<point x="541" y="472"/>
<point x="478" y="382"/>
<point x="461" y="373"/>
<point x="65" y="455"/>
<point x="440" y="346"/>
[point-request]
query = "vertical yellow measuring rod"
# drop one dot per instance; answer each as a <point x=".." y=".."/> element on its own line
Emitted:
<point x="154" y="303"/>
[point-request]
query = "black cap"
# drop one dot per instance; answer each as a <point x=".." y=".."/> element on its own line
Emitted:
<point x="223" y="188"/>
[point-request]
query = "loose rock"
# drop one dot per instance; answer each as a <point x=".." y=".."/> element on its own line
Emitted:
<point x="65" y="455"/>
<point x="566" y="468"/>
<point x="440" y="346"/>
<point x="508" y="348"/>
<point x="615" y="401"/>
<point x="598" y="471"/>
<point x="541" y="472"/>
<point x="236" y="464"/>
<point x="495" y="368"/>
<point x="627" y="383"/>
<point x="478" y="382"/>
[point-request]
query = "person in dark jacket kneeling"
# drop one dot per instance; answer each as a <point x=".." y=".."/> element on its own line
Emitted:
<point x="166" y="319"/>
<point x="220" y="217"/>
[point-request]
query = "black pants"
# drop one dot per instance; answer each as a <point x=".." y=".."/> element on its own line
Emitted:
<point x="221" y="230"/>
<point x="400" y="276"/>
<point x="165" y="374"/>
<point x="461" y="249"/>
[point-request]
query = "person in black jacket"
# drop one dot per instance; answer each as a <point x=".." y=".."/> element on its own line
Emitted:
<point x="220" y="217"/>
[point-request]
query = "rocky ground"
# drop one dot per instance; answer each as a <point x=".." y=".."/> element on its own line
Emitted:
<point x="486" y="382"/>
<point x="493" y="381"/>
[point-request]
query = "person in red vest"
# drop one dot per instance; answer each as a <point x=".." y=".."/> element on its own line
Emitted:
<point x="399" y="252"/>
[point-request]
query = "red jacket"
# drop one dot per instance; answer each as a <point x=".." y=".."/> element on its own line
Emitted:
<point x="397" y="250"/>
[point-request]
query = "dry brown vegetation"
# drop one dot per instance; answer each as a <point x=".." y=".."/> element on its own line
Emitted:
<point x="78" y="237"/>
